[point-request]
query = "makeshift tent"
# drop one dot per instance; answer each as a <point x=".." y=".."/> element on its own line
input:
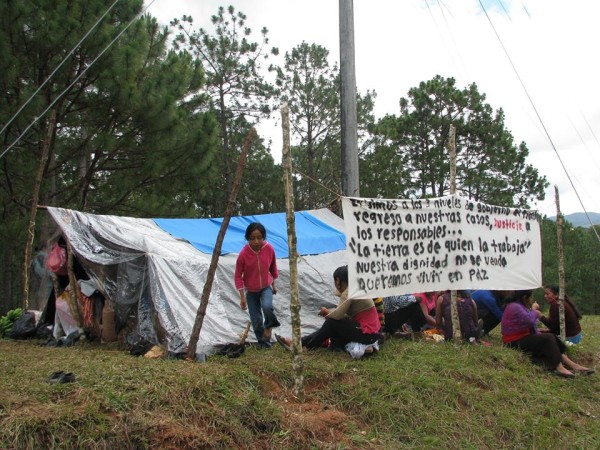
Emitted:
<point x="156" y="268"/>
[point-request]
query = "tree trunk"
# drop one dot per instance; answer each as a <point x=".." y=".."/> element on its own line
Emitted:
<point x="75" y="295"/>
<point x="453" y="306"/>
<point x="33" y="212"/>
<point x="293" y="258"/>
<point x="191" y="353"/>
<point x="561" y="268"/>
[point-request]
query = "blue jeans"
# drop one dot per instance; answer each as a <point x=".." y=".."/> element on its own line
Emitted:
<point x="261" y="304"/>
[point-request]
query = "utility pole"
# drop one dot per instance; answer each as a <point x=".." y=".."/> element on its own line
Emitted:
<point x="350" y="184"/>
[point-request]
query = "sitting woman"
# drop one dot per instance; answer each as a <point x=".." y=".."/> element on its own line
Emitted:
<point x="519" y="331"/>
<point x="354" y="320"/>
<point x="427" y="304"/>
<point x="403" y="310"/>
<point x="572" y="316"/>
<point x="467" y="315"/>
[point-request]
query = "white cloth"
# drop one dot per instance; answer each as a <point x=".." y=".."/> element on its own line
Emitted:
<point x="357" y="350"/>
<point x="63" y="320"/>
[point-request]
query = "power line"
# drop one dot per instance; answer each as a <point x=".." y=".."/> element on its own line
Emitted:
<point x="505" y="10"/>
<point x="538" y="116"/>
<point x="56" y="69"/>
<point x="35" y="119"/>
<point x="460" y="67"/>
<point x="589" y="126"/>
<point x="583" y="142"/>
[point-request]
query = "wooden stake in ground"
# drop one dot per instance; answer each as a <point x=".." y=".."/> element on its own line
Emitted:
<point x="191" y="353"/>
<point x="34" y="205"/>
<point x="297" y="365"/>
<point x="245" y="333"/>
<point x="74" y="295"/>
<point x="453" y="307"/>
<point x="561" y="267"/>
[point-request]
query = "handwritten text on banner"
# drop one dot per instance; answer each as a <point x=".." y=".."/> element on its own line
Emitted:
<point x="406" y="246"/>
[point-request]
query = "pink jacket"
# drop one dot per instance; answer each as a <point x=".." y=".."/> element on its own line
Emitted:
<point x="255" y="270"/>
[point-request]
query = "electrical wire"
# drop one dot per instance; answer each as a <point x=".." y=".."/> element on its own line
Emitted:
<point x="460" y="67"/>
<point x="538" y="116"/>
<point x="583" y="143"/>
<point x="505" y="10"/>
<point x="35" y="119"/>
<point x="57" y="67"/>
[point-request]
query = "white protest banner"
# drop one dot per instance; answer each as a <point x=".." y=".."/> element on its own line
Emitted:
<point x="406" y="246"/>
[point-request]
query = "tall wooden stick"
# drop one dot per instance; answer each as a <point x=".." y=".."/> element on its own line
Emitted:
<point x="34" y="204"/>
<point x="191" y="353"/>
<point x="74" y="295"/>
<point x="453" y="295"/>
<point x="297" y="365"/>
<point x="561" y="267"/>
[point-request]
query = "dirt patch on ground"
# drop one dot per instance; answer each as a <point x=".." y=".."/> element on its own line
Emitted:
<point x="314" y="422"/>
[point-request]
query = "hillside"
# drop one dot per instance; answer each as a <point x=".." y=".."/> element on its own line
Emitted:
<point x="413" y="394"/>
<point x="579" y="219"/>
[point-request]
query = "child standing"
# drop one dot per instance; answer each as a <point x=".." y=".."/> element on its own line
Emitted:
<point x="255" y="274"/>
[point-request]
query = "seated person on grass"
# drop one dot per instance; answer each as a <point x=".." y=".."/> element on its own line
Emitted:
<point x="354" y="320"/>
<point x="572" y="315"/>
<point x="402" y="311"/>
<point x="467" y="316"/>
<point x="519" y="331"/>
<point x="428" y="307"/>
<point x="490" y="306"/>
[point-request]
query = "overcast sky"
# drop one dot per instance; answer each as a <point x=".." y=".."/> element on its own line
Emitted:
<point x="552" y="45"/>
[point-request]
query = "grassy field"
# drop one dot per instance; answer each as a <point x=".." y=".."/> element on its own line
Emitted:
<point x="413" y="394"/>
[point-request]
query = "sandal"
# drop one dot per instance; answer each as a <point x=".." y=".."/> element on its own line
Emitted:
<point x="563" y="375"/>
<point x="586" y="371"/>
<point x="281" y="341"/>
<point x="61" y="377"/>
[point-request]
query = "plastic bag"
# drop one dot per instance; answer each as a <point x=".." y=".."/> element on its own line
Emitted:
<point x="57" y="260"/>
<point x="356" y="350"/>
<point x="24" y="327"/>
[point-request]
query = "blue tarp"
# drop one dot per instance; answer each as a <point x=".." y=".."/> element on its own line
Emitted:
<point x="313" y="235"/>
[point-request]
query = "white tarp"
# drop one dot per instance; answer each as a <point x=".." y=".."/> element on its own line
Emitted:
<point x="404" y="246"/>
<point x="141" y="268"/>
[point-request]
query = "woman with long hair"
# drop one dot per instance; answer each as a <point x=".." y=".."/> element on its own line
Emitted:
<point x="519" y="331"/>
<point x="572" y="315"/>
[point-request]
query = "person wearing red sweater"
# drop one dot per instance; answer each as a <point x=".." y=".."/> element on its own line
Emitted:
<point x="255" y="275"/>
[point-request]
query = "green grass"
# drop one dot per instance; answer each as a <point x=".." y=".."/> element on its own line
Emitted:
<point x="413" y="394"/>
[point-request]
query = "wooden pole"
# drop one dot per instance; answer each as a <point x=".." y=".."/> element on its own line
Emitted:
<point x="295" y="307"/>
<point x="241" y="164"/>
<point x="34" y="205"/>
<point x="74" y="295"/>
<point x="453" y="295"/>
<point x="561" y="267"/>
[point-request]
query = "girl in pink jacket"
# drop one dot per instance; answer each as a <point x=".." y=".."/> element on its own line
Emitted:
<point x="255" y="274"/>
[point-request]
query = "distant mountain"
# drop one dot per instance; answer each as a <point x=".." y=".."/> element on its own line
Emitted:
<point x="579" y="219"/>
